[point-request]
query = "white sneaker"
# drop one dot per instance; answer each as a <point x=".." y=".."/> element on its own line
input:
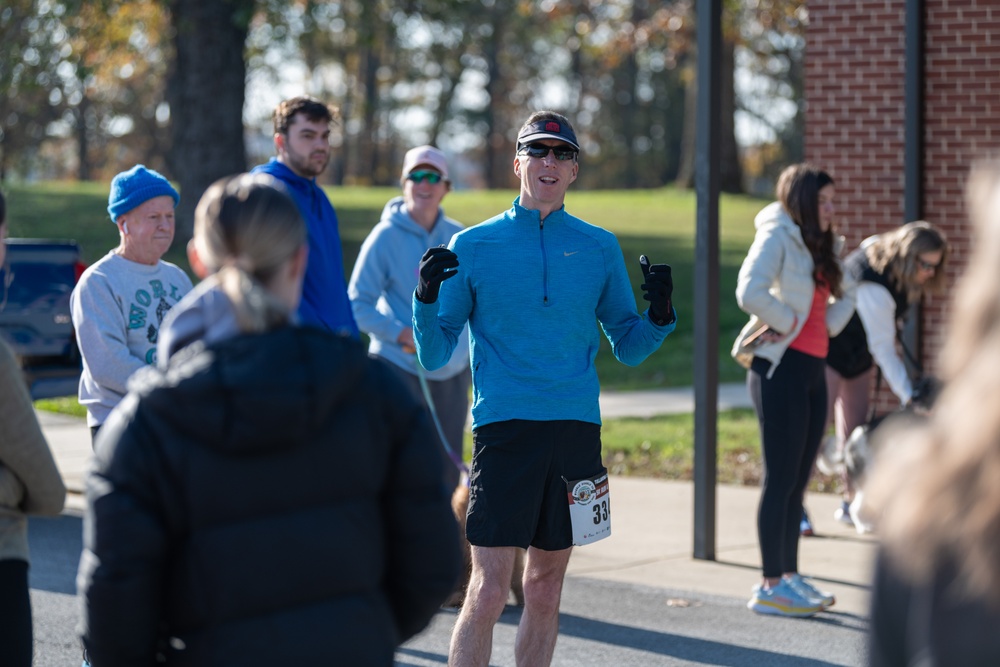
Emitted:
<point x="783" y="600"/>
<point x="862" y="523"/>
<point x="803" y="586"/>
<point x="843" y="513"/>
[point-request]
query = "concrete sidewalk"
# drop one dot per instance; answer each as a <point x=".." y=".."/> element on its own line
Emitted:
<point x="677" y="400"/>
<point x="69" y="437"/>
<point x="653" y="526"/>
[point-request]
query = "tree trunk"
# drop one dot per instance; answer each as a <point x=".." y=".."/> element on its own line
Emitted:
<point x="730" y="172"/>
<point x="685" y="168"/>
<point x="628" y="102"/>
<point x="495" y="92"/>
<point x="369" y="62"/>
<point x="205" y="90"/>
<point x="450" y="77"/>
<point x="83" y="170"/>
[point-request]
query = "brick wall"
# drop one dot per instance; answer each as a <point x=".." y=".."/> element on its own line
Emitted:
<point x="961" y="106"/>
<point x="855" y="70"/>
<point x="854" y="109"/>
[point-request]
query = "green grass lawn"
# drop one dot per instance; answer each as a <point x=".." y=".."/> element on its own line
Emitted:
<point x="658" y="223"/>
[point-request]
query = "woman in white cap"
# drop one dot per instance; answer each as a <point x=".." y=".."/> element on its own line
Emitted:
<point x="381" y="292"/>
<point x="120" y="301"/>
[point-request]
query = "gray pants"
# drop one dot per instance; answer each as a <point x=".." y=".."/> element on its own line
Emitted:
<point x="451" y="402"/>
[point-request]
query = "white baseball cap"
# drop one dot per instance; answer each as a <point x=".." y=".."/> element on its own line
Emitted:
<point x="426" y="155"/>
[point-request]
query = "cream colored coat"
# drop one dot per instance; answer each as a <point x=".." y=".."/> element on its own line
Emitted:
<point x="775" y="286"/>
<point x="29" y="480"/>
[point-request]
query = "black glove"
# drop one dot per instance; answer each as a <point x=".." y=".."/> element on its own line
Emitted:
<point x="658" y="288"/>
<point x="437" y="265"/>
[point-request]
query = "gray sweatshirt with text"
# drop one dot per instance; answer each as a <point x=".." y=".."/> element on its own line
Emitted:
<point x="117" y="309"/>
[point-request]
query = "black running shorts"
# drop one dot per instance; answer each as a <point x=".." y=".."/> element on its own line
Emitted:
<point x="518" y="496"/>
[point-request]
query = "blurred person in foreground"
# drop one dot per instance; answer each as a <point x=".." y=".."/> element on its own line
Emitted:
<point x="533" y="283"/>
<point x="270" y="495"/>
<point x="30" y="483"/>
<point x="302" y="141"/>
<point x="121" y="300"/>
<point x="936" y="596"/>
<point x="381" y="292"/>
<point x="793" y="286"/>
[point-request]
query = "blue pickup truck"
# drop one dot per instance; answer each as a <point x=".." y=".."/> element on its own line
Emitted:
<point x="35" y="318"/>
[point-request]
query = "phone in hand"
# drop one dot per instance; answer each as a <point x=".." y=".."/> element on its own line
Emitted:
<point x="755" y="339"/>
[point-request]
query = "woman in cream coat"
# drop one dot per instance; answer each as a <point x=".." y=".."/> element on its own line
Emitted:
<point x="792" y="285"/>
<point x="29" y="484"/>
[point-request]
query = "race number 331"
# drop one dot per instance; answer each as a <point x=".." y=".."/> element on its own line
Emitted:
<point x="589" y="508"/>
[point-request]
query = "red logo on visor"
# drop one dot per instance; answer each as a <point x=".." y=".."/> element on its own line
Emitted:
<point x="552" y="126"/>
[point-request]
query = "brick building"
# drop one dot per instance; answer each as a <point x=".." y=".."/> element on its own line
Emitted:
<point x="858" y="106"/>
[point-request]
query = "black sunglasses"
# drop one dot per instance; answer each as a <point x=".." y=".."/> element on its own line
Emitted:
<point x="927" y="266"/>
<point x="541" y="150"/>
<point x="431" y="177"/>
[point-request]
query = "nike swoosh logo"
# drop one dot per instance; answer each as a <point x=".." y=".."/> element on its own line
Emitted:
<point x="567" y="254"/>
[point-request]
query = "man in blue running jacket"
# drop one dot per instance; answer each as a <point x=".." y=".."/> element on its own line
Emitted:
<point x="531" y="282"/>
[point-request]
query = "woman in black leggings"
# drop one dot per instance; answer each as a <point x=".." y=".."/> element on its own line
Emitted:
<point x="792" y="285"/>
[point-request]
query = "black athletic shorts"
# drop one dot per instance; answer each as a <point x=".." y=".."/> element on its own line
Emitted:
<point x="518" y="496"/>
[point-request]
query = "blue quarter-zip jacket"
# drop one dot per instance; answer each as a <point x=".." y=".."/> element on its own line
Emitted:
<point x="324" y="291"/>
<point x="533" y="293"/>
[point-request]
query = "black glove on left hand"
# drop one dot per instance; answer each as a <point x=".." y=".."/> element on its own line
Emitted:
<point x="437" y="265"/>
<point x="658" y="288"/>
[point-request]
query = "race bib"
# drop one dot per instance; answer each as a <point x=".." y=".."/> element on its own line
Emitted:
<point x="589" y="508"/>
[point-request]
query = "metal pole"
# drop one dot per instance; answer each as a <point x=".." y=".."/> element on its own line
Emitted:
<point x="913" y="132"/>
<point x="706" y="276"/>
<point x="913" y="155"/>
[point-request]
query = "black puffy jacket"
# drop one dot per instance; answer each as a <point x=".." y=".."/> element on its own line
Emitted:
<point x="275" y="499"/>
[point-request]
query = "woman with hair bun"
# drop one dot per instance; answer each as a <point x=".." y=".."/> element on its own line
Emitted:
<point x="267" y="495"/>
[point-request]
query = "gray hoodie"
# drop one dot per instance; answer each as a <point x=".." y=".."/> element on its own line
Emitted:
<point x="385" y="275"/>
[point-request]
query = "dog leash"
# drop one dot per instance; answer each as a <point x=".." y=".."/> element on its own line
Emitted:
<point x="878" y="377"/>
<point x="425" y="388"/>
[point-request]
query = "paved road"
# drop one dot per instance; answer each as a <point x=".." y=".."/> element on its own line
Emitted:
<point x="627" y="625"/>
<point x="603" y="622"/>
<point x="637" y="599"/>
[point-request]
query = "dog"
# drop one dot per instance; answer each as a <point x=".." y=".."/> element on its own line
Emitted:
<point x="460" y="506"/>
<point x="858" y="453"/>
<point x="852" y="462"/>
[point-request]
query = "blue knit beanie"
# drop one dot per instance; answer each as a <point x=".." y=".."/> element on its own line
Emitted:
<point x="131" y="188"/>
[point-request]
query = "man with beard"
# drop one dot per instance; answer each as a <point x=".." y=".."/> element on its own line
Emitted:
<point x="302" y="141"/>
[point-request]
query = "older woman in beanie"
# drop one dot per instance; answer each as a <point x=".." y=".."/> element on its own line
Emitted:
<point x="120" y="301"/>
